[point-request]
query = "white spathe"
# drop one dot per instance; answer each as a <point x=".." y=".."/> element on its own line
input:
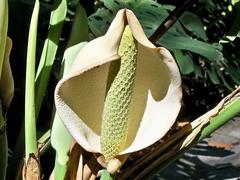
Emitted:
<point x="79" y="97"/>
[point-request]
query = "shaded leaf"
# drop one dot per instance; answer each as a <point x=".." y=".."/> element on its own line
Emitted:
<point x="213" y="75"/>
<point x="221" y="75"/>
<point x="150" y="14"/>
<point x="235" y="29"/>
<point x="79" y="31"/>
<point x="233" y="73"/>
<point x="199" y="47"/>
<point x="184" y="61"/>
<point x="198" y="71"/>
<point x="194" y="24"/>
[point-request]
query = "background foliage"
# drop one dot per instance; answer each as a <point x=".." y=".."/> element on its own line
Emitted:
<point x="205" y="42"/>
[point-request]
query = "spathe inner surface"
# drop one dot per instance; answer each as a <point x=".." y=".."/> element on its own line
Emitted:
<point x="87" y="91"/>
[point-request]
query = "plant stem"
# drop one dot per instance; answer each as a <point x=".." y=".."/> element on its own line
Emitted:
<point x="216" y="122"/>
<point x="30" y="119"/>
<point x="105" y="175"/>
<point x="3" y="145"/>
<point x="3" y="154"/>
<point x="3" y="133"/>
<point x="227" y="114"/>
<point x="60" y="169"/>
<point x="3" y="30"/>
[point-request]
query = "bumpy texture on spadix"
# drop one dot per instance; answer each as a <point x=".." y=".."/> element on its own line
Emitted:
<point x="118" y="100"/>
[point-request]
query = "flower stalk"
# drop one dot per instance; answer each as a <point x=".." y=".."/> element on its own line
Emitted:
<point x="85" y="97"/>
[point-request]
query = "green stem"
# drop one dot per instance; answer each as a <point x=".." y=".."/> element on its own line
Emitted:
<point x="59" y="170"/>
<point x="3" y="154"/>
<point x="3" y="30"/>
<point x="3" y="145"/>
<point x="105" y="175"/>
<point x="216" y="122"/>
<point x="226" y="114"/>
<point x="30" y="119"/>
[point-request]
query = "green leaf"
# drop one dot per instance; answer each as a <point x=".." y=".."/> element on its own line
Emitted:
<point x="208" y="4"/>
<point x="233" y="73"/>
<point x="185" y="43"/>
<point x="150" y="14"/>
<point x="235" y="29"/>
<point x="235" y="1"/>
<point x="100" y="21"/>
<point x="186" y="21"/>
<point x="198" y="71"/>
<point x="30" y="118"/>
<point x="60" y="138"/>
<point x="114" y="5"/>
<point x="194" y="24"/>
<point x="213" y="75"/>
<point x="69" y="56"/>
<point x="184" y="61"/>
<point x="79" y="31"/>
<point x="49" y="50"/>
<point x="3" y="30"/>
<point x="221" y="75"/>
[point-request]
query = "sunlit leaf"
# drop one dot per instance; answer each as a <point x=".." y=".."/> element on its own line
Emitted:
<point x="235" y="29"/>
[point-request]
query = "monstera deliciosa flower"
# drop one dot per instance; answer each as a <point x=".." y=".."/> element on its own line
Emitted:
<point x="122" y="94"/>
